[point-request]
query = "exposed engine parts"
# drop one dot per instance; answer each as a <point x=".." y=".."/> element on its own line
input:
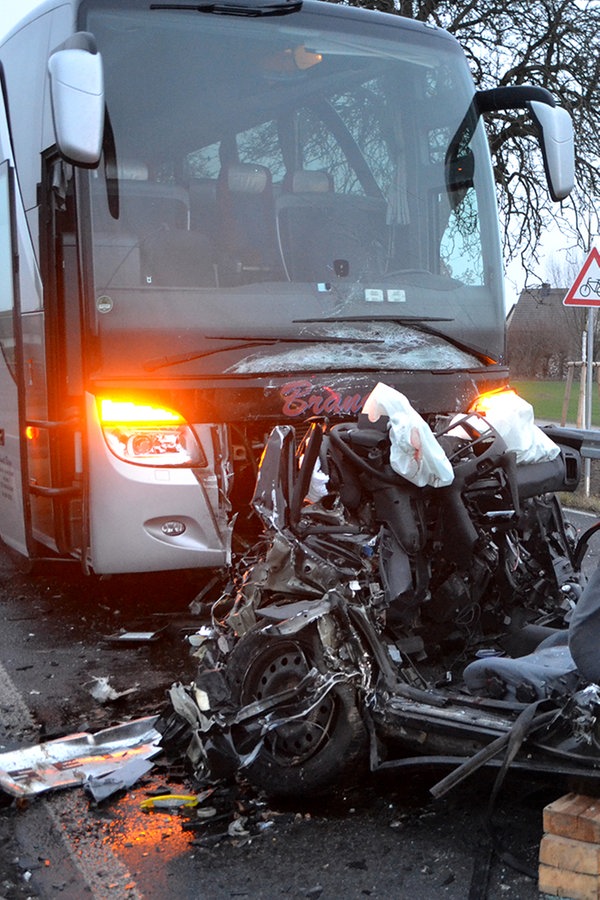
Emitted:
<point x="379" y="620"/>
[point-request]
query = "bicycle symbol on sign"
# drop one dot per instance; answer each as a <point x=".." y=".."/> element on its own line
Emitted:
<point x="591" y="286"/>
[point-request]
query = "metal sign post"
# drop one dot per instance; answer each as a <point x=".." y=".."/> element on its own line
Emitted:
<point x="589" y="381"/>
<point x="586" y="292"/>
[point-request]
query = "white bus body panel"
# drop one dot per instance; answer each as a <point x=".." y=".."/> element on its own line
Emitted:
<point x="129" y="505"/>
<point x="25" y="61"/>
<point x="12" y="502"/>
<point x="12" y="513"/>
<point x="24" y="54"/>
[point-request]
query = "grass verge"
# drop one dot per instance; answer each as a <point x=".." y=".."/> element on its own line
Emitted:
<point x="547" y="398"/>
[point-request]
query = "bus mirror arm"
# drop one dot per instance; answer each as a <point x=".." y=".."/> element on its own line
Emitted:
<point x="553" y="124"/>
<point x="77" y="96"/>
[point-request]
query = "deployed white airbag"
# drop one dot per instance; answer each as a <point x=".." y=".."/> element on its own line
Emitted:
<point x="415" y="453"/>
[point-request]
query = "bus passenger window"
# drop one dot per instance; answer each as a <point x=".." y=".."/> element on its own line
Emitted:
<point x="460" y="247"/>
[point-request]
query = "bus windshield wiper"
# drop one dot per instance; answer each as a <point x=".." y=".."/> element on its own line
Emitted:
<point x="160" y="362"/>
<point x="235" y="7"/>
<point x="401" y="320"/>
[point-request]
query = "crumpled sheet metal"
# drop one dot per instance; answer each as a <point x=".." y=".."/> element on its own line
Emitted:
<point x="212" y="733"/>
<point x="79" y="758"/>
<point x="102" y="786"/>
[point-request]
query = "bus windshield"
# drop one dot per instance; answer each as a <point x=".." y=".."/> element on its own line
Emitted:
<point x="281" y="193"/>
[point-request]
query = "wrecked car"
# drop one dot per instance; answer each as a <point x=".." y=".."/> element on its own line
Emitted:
<point x="416" y="596"/>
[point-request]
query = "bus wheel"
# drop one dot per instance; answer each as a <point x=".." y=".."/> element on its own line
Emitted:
<point x="303" y="756"/>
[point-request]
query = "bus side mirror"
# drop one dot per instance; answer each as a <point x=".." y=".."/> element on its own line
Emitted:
<point x="554" y="126"/>
<point x="77" y="96"/>
<point x="556" y="138"/>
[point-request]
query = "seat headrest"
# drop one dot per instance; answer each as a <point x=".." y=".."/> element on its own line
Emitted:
<point x="246" y="178"/>
<point x="310" y="181"/>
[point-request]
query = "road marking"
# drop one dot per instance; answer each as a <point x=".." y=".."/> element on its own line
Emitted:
<point x="581" y="512"/>
<point x="15" y="712"/>
<point x="101" y="870"/>
<point x="103" y="873"/>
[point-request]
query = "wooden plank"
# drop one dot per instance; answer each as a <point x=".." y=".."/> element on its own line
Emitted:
<point x="568" y="885"/>
<point x="573" y="856"/>
<point x="574" y="816"/>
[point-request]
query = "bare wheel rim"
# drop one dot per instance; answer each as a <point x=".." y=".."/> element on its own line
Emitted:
<point x="276" y="670"/>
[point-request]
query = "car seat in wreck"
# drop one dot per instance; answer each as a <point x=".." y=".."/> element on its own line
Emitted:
<point x="554" y="666"/>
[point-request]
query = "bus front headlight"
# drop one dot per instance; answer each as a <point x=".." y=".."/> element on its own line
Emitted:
<point x="150" y="435"/>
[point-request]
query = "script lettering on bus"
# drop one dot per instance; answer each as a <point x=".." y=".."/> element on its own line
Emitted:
<point x="300" y="399"/>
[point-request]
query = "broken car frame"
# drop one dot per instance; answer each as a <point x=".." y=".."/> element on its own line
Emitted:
<point x="403" y="624"/>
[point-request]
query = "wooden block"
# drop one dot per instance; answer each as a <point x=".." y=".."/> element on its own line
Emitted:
<point x="574" y="856"/>
<point x="566" y="884"/>
<point x="574" y="816"/>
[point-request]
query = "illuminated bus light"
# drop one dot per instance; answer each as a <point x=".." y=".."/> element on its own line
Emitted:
<point x="128" y="412"/>
<point x="149" y="435"/>
<point x="493" y="401"/>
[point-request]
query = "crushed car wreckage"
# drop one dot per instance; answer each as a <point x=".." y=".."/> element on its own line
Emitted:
<point x="416" y="596"/>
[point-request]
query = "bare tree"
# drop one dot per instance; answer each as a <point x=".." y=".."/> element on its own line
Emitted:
<point x="561" y="273"/>
<point x="549" y="43"/>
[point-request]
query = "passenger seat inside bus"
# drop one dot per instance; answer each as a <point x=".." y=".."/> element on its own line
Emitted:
<point x="323" y="235"/>
<point x="298" y="209"/>
<point x="152" y="231"/>
<point x="246" y="224"/>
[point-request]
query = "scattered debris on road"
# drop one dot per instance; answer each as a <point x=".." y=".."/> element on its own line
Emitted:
<point x="105" y="762"/>
<point x="102" y="690"/>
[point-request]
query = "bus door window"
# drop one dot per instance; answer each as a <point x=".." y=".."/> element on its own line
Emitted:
<point x="54" y="395"/>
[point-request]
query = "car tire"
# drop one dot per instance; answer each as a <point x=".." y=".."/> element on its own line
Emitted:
<point x="314" y="754"/>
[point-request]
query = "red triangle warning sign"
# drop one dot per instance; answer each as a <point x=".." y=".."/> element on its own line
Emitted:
<point x="586" y="287"/>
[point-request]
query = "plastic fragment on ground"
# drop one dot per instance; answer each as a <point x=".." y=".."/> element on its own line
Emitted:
<point x="70" y="761"/>
<point x="170" y="801"/>
<point x="237" y="828"/>
<point x="103" y="786"/>
<point x="103" y="691"/>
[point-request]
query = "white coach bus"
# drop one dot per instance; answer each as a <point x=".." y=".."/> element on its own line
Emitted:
<point x="218" y="216"/>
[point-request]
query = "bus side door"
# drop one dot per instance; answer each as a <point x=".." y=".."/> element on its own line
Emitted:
<point x="53" y="369"/>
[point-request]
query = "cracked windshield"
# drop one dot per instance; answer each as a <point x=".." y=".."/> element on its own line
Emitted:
<point x="302" y="204"/>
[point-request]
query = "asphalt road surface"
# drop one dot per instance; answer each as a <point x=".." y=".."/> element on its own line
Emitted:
<point x="387" y="838"/>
